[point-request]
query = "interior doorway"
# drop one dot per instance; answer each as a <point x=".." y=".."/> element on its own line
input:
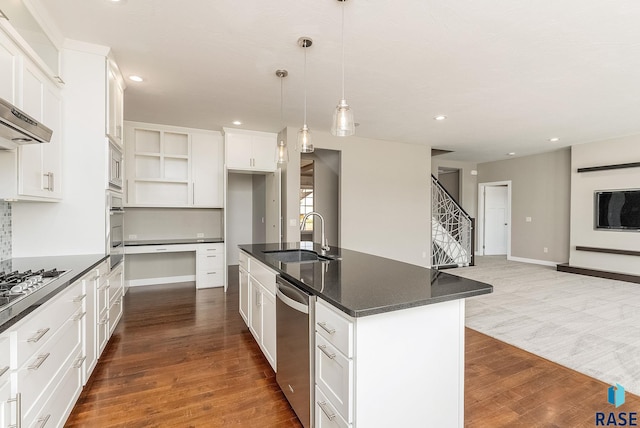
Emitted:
<point x="494" y="218"/>
<point x="320" y="192"/>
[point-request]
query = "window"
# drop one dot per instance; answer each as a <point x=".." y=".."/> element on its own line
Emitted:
<point x="306" y="206"/>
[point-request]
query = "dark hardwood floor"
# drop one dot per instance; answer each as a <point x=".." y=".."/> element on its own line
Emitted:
<point x="184" y="358"/>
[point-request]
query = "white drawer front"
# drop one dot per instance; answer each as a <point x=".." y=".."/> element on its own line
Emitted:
<point x="263" y="275"/>
<point x="102" y="295"/>
<point x="210" y="278"/>
<point x="334" y="376"/>
<point x="35" y="376"/>
<point x="211" y="248"/>
<point x="56" y="410"/>
<point x="335" y="328"/>
<point x="44" y="322"/>
<point x="115" y="313"/>
<point x="326" y="416"/>
<point x="209" y="261"/>
<point x="103" y="330"/>
<point x="243" y="260"/>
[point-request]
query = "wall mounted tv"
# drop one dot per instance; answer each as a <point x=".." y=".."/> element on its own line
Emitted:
<point x="618" y="210"/>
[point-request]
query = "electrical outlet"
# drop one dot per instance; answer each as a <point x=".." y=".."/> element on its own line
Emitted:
<point x="199" y="235"/>
<point x="545" y="249"/>
<point x="527" y="219"/>
<point x="133" y="236"/>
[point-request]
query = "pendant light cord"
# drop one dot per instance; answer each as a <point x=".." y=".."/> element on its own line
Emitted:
<point x="281" y="101"/>
<point x="343" y="2"/>
<point x="305" y="82"/>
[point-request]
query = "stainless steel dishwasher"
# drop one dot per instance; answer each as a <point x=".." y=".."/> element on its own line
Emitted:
<point x="295" y="333"/>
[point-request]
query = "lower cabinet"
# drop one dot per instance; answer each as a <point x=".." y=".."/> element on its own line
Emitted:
<point x="258" y="302"/>
<point x="210" y="265"/>
<point x="51" y="353"/>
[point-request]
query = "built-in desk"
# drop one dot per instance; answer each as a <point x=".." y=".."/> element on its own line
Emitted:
<point x="154" y="262"/>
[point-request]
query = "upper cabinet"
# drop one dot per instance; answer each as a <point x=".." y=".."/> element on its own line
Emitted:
<point x="168" y="166"/>
<point x="115" y="104"/>
<point x="250" y="150"/>
<point x="32" y="171"/>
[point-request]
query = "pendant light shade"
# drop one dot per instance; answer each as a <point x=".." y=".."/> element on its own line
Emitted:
<point x="343" y="123"/>
<point x="282" y="152"/>
<point x="304" y="136"/>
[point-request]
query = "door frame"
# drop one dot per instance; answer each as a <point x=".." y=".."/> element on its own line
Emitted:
<point x="481" y="215"/>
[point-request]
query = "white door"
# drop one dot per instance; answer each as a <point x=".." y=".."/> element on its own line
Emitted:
<point x="496" y="217"/>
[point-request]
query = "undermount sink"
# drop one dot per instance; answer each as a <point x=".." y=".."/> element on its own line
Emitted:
<point x="298" y="256"/>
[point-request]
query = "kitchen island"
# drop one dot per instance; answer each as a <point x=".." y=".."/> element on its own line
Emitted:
<point x="388" y="339"/>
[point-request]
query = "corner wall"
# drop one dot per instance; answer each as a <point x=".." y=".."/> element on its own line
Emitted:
<point x="540" y="190"/>
<point x="583" y="186"/>
<point x="385" y="191"/>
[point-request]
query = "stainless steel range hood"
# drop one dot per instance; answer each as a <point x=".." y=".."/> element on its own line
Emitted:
<point x="17" y="128"/>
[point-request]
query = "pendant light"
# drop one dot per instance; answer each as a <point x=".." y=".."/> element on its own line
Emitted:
<point x="282" y="152"/>
<point x="304" y="136"/>
<point x="343" y="123"/>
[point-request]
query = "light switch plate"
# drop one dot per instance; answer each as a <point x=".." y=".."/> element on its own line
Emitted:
<point x="133" y="236"/>
<point x="199" y="235"/>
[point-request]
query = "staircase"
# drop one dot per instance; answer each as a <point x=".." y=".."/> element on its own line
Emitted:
<point x="452" y="237"/>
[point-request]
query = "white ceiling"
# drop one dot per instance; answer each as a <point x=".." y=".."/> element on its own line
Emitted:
<point x="508" y="74"/>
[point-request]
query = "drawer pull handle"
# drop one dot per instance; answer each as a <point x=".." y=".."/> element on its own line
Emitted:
<point x="39" y="361"/>
<point x="211" y="273"/>
<point x="329" y="330"/>
<point x="4" y="370"/>
<point x="161" y="249"/>
<point x="211" y="256"/>
<point x="79" y="298"/>
<point x="330" y="415"/>
<point x="18" y="401"/>
<point x="39" y="334"/>
<point x="330" y="355"/>
<point x="43" y="421"/>
<point x="79" y="316"/>
<point x="103" y="321"/>
<point x="79" y="362"/>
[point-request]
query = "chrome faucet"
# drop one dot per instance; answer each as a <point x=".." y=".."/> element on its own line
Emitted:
<point x="324" y="244"/>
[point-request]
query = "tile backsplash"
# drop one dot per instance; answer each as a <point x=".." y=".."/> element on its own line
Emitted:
<point x="5" y="230"/>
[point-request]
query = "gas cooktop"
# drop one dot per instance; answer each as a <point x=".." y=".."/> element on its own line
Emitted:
<point x="16" y="285"/>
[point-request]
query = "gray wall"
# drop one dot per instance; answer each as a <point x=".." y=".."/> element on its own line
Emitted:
<point x="540" y="190"/>
<point x="326" y="193"/>
<point x="171" y="223"/>
<point x="583" y="186"/>
<point x="239" y="214"/>
<point x="5" y="230"/>
<point x="468" y="182"/>
<point x="384" y="196"/>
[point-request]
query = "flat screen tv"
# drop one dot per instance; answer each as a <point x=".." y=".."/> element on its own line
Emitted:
<point x="618" y="209"/>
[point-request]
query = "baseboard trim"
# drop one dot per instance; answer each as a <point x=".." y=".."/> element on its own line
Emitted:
<point x="565" y="267"/>
<point x="532" y="261"/>
<point x="161" y="280"/>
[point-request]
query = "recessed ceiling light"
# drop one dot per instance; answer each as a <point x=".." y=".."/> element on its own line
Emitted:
<point x="136" y="78"/>
<point x="511" y="154"/>
<point x="440" y="117"/>
<point x="237" y="122"/>
<point x="554" y="139"/>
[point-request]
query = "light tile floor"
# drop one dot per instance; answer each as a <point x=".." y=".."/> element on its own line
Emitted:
<point x="591" y="325"/>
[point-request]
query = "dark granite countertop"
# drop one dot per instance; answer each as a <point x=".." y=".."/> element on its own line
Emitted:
<point x="173" y="241"/>
<point x="361" y="284"/>
<point x="76" y="267"/>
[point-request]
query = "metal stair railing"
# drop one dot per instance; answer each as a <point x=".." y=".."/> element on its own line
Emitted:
<point x="452" y="235"/>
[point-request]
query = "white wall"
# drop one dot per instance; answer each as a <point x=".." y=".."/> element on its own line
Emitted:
<point x="77" y="224"/>
<point x="583" y="186"/>
<point x="385" y="196"/>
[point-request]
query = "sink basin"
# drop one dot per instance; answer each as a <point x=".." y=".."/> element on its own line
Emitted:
<point x="297" y="256"/>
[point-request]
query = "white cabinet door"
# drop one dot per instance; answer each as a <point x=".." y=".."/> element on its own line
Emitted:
<point x="264" y="152"/>
<point x="90" y="348"/>
<point x="52" y="151"/>
<point x="244" y="294"/>
<point x="8" y="67"/>
<point x="7" y="404"/>
<point x="255" y="311"/>
<point x="250" y="150"/>
<point x="269" y="327"/>
<point x="40" y="165"/>
<point x="115" y="101"/>
<point x="238" y="151"/>
<point x="207" y="170"/>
